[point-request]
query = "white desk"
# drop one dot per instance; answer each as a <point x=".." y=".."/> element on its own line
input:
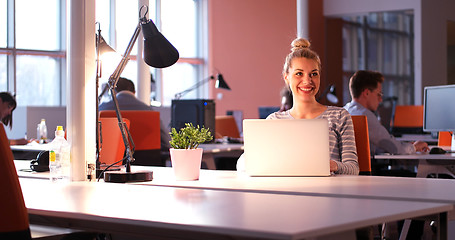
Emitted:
<point x="371" y="187"/>
<point x="418" y="137"/>
<point x="428" y="163"/>
<point x="213" y="150"/>
<point x="149" y="211"/>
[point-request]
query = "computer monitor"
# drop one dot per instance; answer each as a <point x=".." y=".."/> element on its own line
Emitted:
<point x="196" y="111"/>
<point x="439" y="109"/>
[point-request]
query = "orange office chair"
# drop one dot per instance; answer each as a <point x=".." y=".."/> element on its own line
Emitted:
<point x="226" y="126"/>
<point x="145" y="131"/>
<point x="14" y="216"/>
<point x="362" y="143"/>
<point x="408" y="119"/>
<point x="111" y="148"/>
<point x="14" y="220"/>
<point x="445" y="139"/>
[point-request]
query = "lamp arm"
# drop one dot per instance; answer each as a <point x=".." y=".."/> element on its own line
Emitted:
<point x="125" y="132"/>
<point x="97" y="79"/>
<point x="326" y="90"/>
<point x="203" y="81"/>
<point x="121" y="66"/>
<point x="113" y="79"/>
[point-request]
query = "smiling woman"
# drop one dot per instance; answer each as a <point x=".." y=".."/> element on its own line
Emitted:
<point x="301" y="73"/>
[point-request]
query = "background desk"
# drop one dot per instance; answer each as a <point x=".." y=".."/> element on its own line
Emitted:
<point x="149" y="211"/>
<point x="428" y="163"/>
<point x="418" y="137"/>
<point x="213" y="150"/>
<point x="29" y="151"/>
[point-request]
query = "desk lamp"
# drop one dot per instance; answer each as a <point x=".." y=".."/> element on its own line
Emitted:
<point x="329" y="94"/>
<point x="158" y="53"/>
<point x="220" y="83"/>
<point x="101" y="48"/>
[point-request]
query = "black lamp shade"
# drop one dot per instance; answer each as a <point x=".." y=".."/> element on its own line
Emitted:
<point x="104" y="47"/>
<point x="220" y="83"/>
<point x="158" y="51"/>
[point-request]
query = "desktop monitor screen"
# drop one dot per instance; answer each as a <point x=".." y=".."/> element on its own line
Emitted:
<point x="439" y="108"/>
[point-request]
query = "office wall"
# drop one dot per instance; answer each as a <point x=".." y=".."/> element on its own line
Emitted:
<point x="248" y="41"/>
<point x="26" y="119"/>
<point x="430" y="33"/>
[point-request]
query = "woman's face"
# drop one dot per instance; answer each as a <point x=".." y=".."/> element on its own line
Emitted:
<point x="5" y="109"/>
<point x="303" y="79"/>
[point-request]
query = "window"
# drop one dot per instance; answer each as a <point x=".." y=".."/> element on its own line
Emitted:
<point x="179" y="21"/>
<point x="33" y="51"/>
<point x="382" y="42"/>
<point x="32" y="54"/>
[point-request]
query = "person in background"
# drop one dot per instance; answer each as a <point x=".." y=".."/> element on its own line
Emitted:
<point x="127" y="101"/>
<point x="366" y="93"/>
<point x="286" y="99"/>
<point x="301" y="74"/>
<point x="7" y="106"/>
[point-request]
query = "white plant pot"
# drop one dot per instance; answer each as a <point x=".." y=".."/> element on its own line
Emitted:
<point x="186" y="163"/>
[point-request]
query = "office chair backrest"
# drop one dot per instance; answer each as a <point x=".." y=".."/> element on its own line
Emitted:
<point x="112" y="147"/>
<point x="408" y="119"/>
<point x="362" y="143"/>
<point x="226" y="126"/>
<point x="144" y="127"/>
<point x="386" y="112"/>
<point x="14" y="222"/>
<point x="445" y="139"/>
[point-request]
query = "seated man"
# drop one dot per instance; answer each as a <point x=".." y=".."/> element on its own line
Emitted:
<point x="366" y="93"/>
<point x="127" y="101"/>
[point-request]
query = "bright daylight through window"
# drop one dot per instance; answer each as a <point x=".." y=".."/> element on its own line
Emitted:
<point x="33" y="51"/>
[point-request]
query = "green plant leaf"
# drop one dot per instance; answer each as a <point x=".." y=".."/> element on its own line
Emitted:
<point x="189" y="137"/>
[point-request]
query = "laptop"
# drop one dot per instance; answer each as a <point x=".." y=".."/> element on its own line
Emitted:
<point x="286" y="147"/>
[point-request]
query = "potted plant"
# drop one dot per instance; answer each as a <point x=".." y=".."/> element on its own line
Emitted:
<point x="186" y="157"/>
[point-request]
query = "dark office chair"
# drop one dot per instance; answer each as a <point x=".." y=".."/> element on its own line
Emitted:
<point x="266" y="111"/>
<point x="386" y="112"/>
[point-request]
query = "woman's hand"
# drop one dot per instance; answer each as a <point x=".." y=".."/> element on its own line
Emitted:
<point x="333" y="166"/>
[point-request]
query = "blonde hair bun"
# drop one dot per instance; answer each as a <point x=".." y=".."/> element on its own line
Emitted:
<point x="300" y="43"/>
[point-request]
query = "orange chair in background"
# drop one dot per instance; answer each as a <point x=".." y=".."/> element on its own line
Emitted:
<point x="145" y="131"/>
<point x="14" y="222"/>
<point x="112" y="147"/>
<point x="362" y="142"/>
<point x="408" y="119"/>
<point x="226" y="126"/>
<point x="445" y="139"/>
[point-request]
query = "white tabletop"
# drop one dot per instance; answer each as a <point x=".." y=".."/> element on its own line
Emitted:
<point x="376" y="187"/>
<point x="148" y="210"/>
<point x="417" y="156"/>
<point x="393" y="188"/>
<point x="417" y="137"/>
<point x="221" y="147"/>
<point x="36" y="147"/>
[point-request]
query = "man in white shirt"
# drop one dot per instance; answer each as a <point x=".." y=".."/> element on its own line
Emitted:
<point x="366" y="93"/>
